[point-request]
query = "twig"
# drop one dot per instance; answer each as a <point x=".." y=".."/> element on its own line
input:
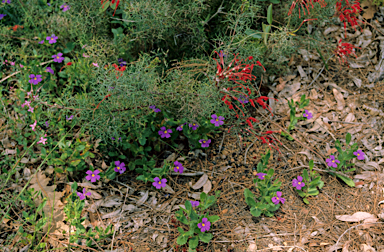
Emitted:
<point x="246" y="151"/>
<point x="221" y="144"/>
<point x="347" y="122"/>
<point x="319" y="72"/>
<point x="355" y="227"/>
<point x="187" y="174"/>
<point x="334" y="201"/>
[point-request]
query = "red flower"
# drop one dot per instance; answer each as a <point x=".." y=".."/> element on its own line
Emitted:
<point x="69" y="63"/>
<point x="113" y="2"/>
<point x="348" y="13"/>
<point x="343" y="50"/>
<point x="305" y="3"/>
<point x="120" y="69"/>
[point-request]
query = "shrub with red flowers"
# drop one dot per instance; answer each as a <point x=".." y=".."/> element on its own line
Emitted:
<point x="240" y="73"/>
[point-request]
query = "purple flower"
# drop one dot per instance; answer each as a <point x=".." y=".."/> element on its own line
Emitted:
<point x="92" y="176"/>
<point x="298" y="183"/>
<point x="276" y="200"/>
<point x="307" y="114"/>
<point x="8" y="1"/>
<point x="221" y="54"/>
<point x="331" y="161"/>
<point x="193" y="126"/>
<point x="195" y="203"/>
<point x="47" y="124"/>
<point x="120" y="167"/>
<point x="217" y="121"/>
<point x="154" y="108"/>
<point x="49" y="70"/>
<point x="159" y="183"/>
<point x="122" y="62"/>
<point x="164" y="132"/>
<point x="261" y="175"/>
<point x="57" y="58"/>
<point x="180" y="128"/>
<point x="205" y="225"/>
<point x="2" y="15"/>
<point x="65" y="7"/>
<point x="69" y="118"/>
<point x="82" y="195"/>
<point x="359" y="154"/>
<point x="48" y="4"/>
<point x="178" y="167"/>
<point x="35" y="79"/>
<point x="205" y="143"/>
<point x="52" y="39"/>
<point x="243" y="99"/>
<point x="41" y="42"/>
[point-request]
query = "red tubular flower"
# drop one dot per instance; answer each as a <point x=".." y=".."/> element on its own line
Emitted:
<point x="112" y="2"/>
<point x="120" y="69"/>
<point x="343" y="50"/>
<point x="304" y="4"/>
<point x="348" y="13"/>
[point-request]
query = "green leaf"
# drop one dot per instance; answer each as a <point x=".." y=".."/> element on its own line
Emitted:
<point x="348" y="138"/>
<point x="213" y="218"/>
<point x="104" y="6"/>
<point x="306" y="201"/>
<point x="193" y="242"/>
<point x="255" y="212"/>
<point x="248" y="193"/>
<point x="348" y="181"/>
<point x="250" y="201"/>
<point x="266" y="29"/>
<point x="310" y="164"/>
<point x="182" y="239"/>
<point x="305" y="174"/>
<point x="70" y="47"/>
<point x="188" y="206"/>
<point x="205" y="237"/>
<point x="269" y="14"/>
<point x="203" y="196"/>
<point x="253" y="33"/>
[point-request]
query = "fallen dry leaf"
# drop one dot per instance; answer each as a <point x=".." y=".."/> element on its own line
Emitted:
<point x="201" y="182"/>
<point x="54" y="205"/>
<point x="358" y="216"/>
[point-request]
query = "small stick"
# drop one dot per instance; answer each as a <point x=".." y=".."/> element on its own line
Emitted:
<point x="246" y="151"/>
<point x="334" y="201"/>
<point x="187" y="174"/>
<point x="221" y="145"/>
<point x="355" y="227"/>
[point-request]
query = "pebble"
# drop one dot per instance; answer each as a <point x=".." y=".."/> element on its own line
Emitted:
<point x="223" y="156"/>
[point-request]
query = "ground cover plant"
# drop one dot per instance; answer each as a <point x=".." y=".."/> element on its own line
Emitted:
<point x="139" y="96"/>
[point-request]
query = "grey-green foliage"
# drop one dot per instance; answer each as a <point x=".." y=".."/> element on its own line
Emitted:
<point x="178" y="93"/>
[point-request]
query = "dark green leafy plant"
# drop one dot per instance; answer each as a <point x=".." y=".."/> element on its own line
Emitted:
<point x="269" y="195"/>
<point x="198" y="222"/>
<point x="293" y="118"/>
<point x="307" y="185"/>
